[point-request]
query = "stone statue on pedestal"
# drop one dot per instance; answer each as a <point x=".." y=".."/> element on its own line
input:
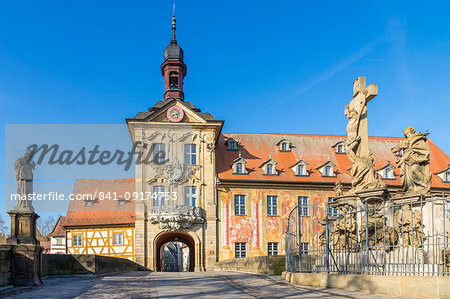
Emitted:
<point x="25" y="250"/>
<point x="23" y="168"/>
<point x="414" y="162"/>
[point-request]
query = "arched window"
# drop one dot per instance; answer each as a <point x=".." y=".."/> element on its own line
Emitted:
<point x="284" y="146"/>
<point x="340" y="148"/>
<point x="173" y="80"/>
<point x="388" y="173"/>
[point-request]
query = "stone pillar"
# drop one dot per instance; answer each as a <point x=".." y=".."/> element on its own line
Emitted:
<point x="25" y="249"/>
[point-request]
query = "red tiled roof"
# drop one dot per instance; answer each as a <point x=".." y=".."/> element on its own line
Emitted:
<point x="314" y="149"/>
<point x="101" y="212"/>
<point x="58" y="230"/>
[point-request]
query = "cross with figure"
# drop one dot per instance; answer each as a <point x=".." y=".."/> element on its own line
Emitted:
<point x="356" y="112"/>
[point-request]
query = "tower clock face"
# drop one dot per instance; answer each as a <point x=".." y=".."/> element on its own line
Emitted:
<point x="175" y="114"/>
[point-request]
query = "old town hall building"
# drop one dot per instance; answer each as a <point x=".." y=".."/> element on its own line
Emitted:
<point x="223" y="195"/>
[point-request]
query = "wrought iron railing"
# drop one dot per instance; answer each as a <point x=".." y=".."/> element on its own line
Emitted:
<point x="395" y="237"/>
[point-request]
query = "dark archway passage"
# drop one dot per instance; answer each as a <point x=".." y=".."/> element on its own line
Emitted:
<point x="175" y="237"/>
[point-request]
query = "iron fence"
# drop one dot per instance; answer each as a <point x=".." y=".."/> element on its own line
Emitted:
<point x="409" y="236"/>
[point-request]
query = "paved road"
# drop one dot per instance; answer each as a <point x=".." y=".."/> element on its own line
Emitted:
<point x="223" y="284"/>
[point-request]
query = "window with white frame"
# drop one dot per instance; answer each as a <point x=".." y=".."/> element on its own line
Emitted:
<point x="284" y="146"/>
<point x="159" y="198"/>
<point x="304" y="248"/>
<point x="301" y="170"/>
<point x="332" y="212"/>
<point x="269" y="169"/>
<point x="447" y="176"/>
<point x="388" y="173"/>
<point x="232" y="145"/>
<point x="303" y="206"/>
<point x="272" y="248"/>
<point x="77" y="240"/>
<point x="159" y="153"/>
<point x="328" y="171"/>
<point x="190" y="154"/>
<point x="239" y="205"/>
<point x="240" y="250"/>
<point x="118" y="238"/>
<point x="239" y="168"/>
<point x="272" y="205"/>
<point x="190" y="196"/>
<point x="340" y="149"/>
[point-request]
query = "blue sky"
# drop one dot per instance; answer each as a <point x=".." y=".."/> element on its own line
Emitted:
<point x="262" y="66"/>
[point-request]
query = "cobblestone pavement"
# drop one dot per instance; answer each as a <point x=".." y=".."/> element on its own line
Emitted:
<point x="223" y="284"/>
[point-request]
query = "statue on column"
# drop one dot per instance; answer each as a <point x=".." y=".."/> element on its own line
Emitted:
<point x="23" y="168"/>
<point x="357" y="144"/>
<point x="414" y="162"/>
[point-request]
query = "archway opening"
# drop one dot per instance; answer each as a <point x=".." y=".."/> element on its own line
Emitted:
<point x="175" y="252"/>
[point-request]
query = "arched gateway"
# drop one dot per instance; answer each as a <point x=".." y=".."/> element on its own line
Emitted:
<point x="174" y="237"/>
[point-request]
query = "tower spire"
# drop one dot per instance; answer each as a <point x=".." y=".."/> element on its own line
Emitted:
<point x="174" y="27"/>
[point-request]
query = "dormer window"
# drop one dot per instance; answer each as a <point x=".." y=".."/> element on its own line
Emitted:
<point x="387" y="172"/>
<point x="444" y="175"/>
<point x="173" y="80"/>
<point x="88" y="203"/>
<point x="238" y="165"/>
<point x="339" y="147"/>
<point x="232" y="144"/>
<point x="327" y="169"/>
<point x="299" y="168"/>
<point x="269" y="166"/>
<point x="285" y="145"/>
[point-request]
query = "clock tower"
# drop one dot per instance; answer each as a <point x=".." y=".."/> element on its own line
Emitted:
<point x="173" y="68"/>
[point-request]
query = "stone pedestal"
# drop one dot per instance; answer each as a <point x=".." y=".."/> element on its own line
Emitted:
<point x="24" y="248"/>
<point x="26" y="263"/>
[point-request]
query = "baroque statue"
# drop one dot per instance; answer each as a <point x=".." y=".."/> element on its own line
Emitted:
<point x="414" y="162"/>
<point x="23" y="168"/>
<point x="357" y="144"/>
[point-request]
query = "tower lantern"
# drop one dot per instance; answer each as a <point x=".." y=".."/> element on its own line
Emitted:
<point x="173" y="68"/>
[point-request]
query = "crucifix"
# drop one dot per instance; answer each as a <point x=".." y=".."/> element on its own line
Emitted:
<point x="356" y="112"/>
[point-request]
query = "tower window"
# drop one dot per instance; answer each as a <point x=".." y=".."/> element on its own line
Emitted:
<point x="173" y="80"/>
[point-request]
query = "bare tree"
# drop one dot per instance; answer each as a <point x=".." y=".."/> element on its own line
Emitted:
<point x="45" y="225"/>
<point x="3" y="226"/>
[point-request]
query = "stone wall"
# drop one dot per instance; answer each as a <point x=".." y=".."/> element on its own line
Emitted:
<point x="72" y="264"/>
<point x="273" y="265"/>
<point x="415" y="286"/>
<point x="5" y="267"/>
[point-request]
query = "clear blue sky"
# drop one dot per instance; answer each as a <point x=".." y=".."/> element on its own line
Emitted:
<point x="262" y="66"/>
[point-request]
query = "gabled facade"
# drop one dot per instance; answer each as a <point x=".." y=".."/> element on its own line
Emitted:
<point x="58" y="238"/>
